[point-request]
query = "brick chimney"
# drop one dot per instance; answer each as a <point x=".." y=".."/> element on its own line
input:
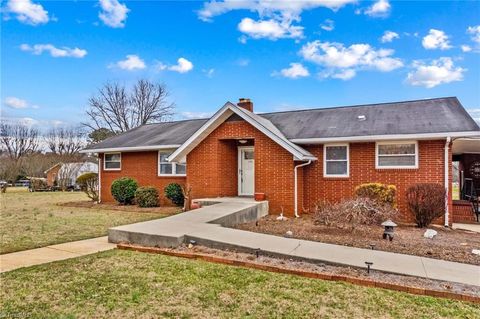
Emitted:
<point x="246" y="104"/>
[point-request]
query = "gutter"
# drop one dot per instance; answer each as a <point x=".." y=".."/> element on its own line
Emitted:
<point x="296" y="186"/>
<point x="446" y="178"/>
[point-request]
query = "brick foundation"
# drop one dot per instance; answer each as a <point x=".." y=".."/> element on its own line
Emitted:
<point x="462" y="212"/>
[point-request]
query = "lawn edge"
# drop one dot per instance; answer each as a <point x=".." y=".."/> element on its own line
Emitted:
<point x="308" y="274"/>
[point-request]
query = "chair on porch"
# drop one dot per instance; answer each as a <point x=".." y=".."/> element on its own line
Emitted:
<point x="469" y="193"/>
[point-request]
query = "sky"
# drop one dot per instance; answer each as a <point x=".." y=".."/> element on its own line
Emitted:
<point x="283" y="55"/>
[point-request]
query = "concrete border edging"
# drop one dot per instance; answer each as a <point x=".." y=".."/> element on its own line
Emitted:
<point x="308" y="274"/>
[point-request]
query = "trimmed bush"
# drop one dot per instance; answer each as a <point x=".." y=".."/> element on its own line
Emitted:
<point x="427" y="202"/>
<point x="88" y="183"/>
<point x="382" y="193"/>
<point x="147" y="196"/>
<point x="349" y="214"/>
<point x="174" y="193"/>
<point x="123" y="190"/>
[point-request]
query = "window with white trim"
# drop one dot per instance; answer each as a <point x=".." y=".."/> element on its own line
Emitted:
<point x="336" y="160"/>
<point x="112" y="161"/>
<point x="397" y="154"/>
<point x="166" y="168"/>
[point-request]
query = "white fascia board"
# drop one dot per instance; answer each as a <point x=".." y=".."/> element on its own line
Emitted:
<point x="372" y="138"/>
<point x="219" y="117"/>
<point x="130" y="149"/>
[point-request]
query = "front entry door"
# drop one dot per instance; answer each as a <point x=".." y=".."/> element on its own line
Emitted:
<point x="246" y="171"/>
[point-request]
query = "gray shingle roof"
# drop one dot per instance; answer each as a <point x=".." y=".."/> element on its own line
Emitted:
<point x="441" y="115"/>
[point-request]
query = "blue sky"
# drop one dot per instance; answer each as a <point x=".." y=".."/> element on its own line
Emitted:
<point x="282" y="55"/>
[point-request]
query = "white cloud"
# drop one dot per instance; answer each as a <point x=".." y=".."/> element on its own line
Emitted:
<point x="243" y="62"/>
<point x="466" y="48"/>
<point x="295" y="71"/>
<point x="131" y="63"/>
<point x="270" y="29"/>
<point x="436" y="39"/>
<point x="475" y="33"/>
<point x="268" y="8"/>
<point x="113" y="13"/>
<point x="381" y="8"/>
<point x="63" y="52"/>
<point x="28" y="12"/>
<point x="195" y="115"/>
<point x="277" y="18"/>
<point x="343" y="62"/>
<point x="208" y="72"/>
<point x="389" y="36"/>
<point x="182" y="66"/>
<point x="15" y="102"/>
<point x="328" y="25"/>
<point x="439" y="71"/>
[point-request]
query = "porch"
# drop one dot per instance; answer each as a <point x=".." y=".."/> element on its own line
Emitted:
<point x="466" y="180"/>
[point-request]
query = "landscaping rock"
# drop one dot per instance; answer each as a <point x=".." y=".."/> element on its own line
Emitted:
<point x="476" y="251"/>
<point x="430" y="233"/>
<point x="289" y="234"/>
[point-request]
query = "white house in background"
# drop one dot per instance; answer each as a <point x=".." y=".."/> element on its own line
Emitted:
<point x="66" y="173"/>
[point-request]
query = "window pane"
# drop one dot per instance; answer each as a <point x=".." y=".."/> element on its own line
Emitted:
<point x="396" y="149"/>
<point x="336" y="152"/>
<point x="396" y="160"/>
<point x="112" y="164"/>
<point x="164" y="156"/>
<point x="166" y="168"/>
<point x="248" y="155"/>
<point x="112" y="157"/>
<point x="337" y="168"/>
<point x="181" y="169"/>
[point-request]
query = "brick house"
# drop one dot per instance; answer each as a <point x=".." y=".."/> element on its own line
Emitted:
<point x="295" y="158"/>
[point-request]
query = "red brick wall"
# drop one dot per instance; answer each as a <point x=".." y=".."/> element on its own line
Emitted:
<point x="141" y="166"/>
<point x="52" y="174"/>
<point x="212" y="166"/>
<point x="362" y="170"/>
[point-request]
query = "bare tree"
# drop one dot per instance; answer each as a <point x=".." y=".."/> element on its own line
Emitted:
<point x="118" y="110"/>
<point x="65" y="141"/>
<point x="18" y="140"/>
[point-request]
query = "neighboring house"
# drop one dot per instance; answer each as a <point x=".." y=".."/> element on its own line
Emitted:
<point x="296" y="158"/>
<point x="65" y="174"/>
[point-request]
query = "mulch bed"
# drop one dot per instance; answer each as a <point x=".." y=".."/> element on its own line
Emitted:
<point x="451" y="245"/>
<point x="416" y="285"/>
<point x="166" y="210"/>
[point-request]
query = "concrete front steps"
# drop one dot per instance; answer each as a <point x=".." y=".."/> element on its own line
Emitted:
<point x="172" y="231"/>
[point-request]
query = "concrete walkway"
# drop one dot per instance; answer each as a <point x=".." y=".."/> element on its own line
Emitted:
<point x="53" y="253"/>
<point x="206" y="227"/>
<point x="470" y="227"/>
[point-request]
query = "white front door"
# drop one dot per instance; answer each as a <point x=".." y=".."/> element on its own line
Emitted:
<point x="246" y="171"/>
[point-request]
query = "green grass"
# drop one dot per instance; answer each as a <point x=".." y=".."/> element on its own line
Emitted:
<point x="455" y="191"/>
<point x="129" y="284"/>
<point x="31" y="220"/>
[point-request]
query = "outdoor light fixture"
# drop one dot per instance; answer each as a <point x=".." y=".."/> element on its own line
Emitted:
<point x="242" y="141"/>
<point x="389" y="229"/>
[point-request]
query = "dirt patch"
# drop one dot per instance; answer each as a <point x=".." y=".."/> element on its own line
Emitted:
<point x="451" y="245"/>
<point x="167" y="210"/>
<point x="322" y="268"/>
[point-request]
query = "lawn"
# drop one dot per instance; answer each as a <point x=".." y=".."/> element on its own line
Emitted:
<point x="31" y="220"/>
<point x="130" y="284"/>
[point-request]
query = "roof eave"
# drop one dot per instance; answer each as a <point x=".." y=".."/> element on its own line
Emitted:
<point x="130" y="148"/>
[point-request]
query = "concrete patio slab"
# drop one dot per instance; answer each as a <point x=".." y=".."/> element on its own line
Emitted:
<point x="51" y="253"/>
<point x="205" y="227"/>
<point x="470" y="227"/>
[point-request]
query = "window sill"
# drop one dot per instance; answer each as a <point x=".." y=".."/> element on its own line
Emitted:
<point x="336" y="176"/>
<point x="172" y="175"/>
<point x="112" y="169"/>
<point x="381" y="168"/>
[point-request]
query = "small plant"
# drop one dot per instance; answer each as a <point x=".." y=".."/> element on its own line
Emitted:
<point x="174" y="193"/>
<point x="427" y="202"/>
<point x="353" y="212"/>
<point x="147" y="196"/>
<point x="88" y="183"/>
<point x="376" y="191"/>
<point x="123" y="190"/>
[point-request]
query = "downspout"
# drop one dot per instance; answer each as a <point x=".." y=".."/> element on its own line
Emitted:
<point x="296" y="186"/>
<point x="447" y="179"/>
<point x="99" y="179"/>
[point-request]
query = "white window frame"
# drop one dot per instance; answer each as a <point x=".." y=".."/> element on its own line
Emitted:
<point x="325" y="146"/>
<point x="377" y="166"/>
<point x="174" y="165"/>
<point x="112" y="169"/>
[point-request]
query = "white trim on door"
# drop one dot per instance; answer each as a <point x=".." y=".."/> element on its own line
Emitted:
<point x="239" y="172"/>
